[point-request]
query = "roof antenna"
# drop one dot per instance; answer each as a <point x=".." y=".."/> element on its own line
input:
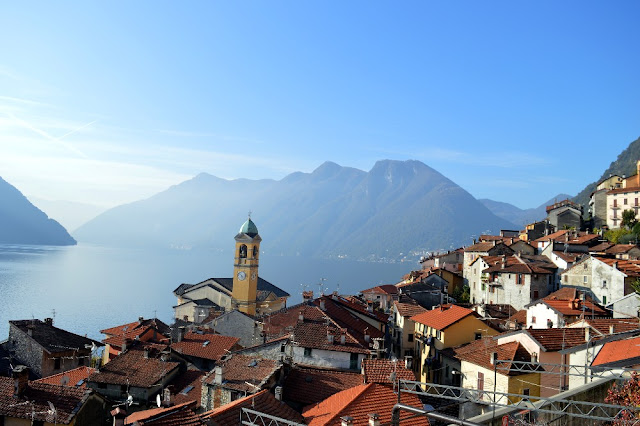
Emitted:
<point x="249" y="214"/>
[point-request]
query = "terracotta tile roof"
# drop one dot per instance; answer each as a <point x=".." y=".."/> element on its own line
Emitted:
<point x="360" y="401"/>
<point x="313" y="335"/>
<point x="143" y="333"/>
<point x="206" y="345"/>
<point x="623" y="190"/>
<point x="629" y="267"/>
<point x="521" y="264"/>
<point x="576" y="307"/>
<point x="408" y="309"/>
<point x="499" y="311"/>
<point x="310" y="385"/>
<point x="564" y="293"/>
<point x="619" y="352"/>
<point x="36" y="397"/>
<point x="187" y="387"/>
<point x="563" y="203"/>
<point x="480" y="352"/>
<point x="568" y="257"/>
<point x="480" y="247"/>
<point x="605" y="245"/>
<point x="382" y="289"/>
<point x="154" y="322"/>
<point x="619" y="325"/>
<point x="262" y="401"/>
<point x="178" y="415"/>
<point x="132" y="365"/>
<point x="440" y="318"/>
<point x="569" y="237"/>
<point x="520" y="317"/>
<point x="554" y="236"/>
<point x="244" y="373"/>
<point x="557" y="339"/>
<point x="74" y="378"/>
<point x="360" y="308"/>
<point x="53" y="339"/>
<point x="355" y="326"/>
<point x="621" y="248"/>
<point x="379" y="371"/>
<point x="282" y="322"/>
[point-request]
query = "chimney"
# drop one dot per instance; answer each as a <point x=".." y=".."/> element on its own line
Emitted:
<point x="145" y="353"/>
<point x="219" y="375"/>
<point x="20" y="375"/>
<point x="367" y="337"/>
<point x="374" y="419"/>
<point x="49" y="321"/>
<point x="166" y="397"/>
<point x="494" y="357"/>
<point x="300" y="317"/>
<point x="140" y="320"/>
<point x="124" y="345"/>
<point x="30" y="328"/>
<point x="346" y="421"/>
<point x="611" y="329"/>
<point x="278" y="393"/>
<point x="322" y="304"/>
<point x="369" y="307"/>
<point x="329" y="337"/>
<point x="586" y="334"/>
<point x="343" y="339"/>
<point x="181" y="331"/>
<point x="307" y="296"/>
<point x="534" y="358"/>
<point x="408" y="362"/>
<point x="615" y="265"/>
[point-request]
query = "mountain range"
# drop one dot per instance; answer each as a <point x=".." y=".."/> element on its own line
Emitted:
<point x="521" y="217"/>
<point x="396" y="208"/>
<point x="23" y="223"/>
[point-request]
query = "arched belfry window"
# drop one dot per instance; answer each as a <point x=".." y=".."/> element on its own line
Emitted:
<point x="255" y="252"/>
<point x="243" y="252"/>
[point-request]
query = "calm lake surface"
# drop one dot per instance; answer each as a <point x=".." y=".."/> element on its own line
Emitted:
<point x="92" y="288"/>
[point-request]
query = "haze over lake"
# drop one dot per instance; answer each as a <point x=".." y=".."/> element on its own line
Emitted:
<point x="92" y="287"/>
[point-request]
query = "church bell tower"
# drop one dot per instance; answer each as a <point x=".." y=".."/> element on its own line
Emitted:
<point x="245" y="268"/>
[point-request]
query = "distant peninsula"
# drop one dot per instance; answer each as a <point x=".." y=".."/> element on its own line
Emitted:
<point x="23" y="223"/>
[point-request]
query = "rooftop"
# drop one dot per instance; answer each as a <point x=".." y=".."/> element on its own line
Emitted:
<point x="381" y="370"/>
<point x="134" y="368"/>
<point x="263" y="401"/>
<point x="72" y="378"/>
<point x="53" y="339"/>
<point x="480" y="352"/>
<point x="620" y="353"/>
<point x="244" y="373"/>
<point x="312" y="385"/>
<point x="442" y="317"/>
<point x="205" y="345"/>
<point x="177" y="415"/>
<point x="314" y="335"/>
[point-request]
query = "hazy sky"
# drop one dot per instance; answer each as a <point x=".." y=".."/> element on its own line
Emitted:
<point x="110" y="102"/>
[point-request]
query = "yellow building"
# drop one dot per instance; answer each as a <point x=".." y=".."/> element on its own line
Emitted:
<point x="444" y="327"/>
<point x="486" y="366"/>
<point x="245" y="291"/>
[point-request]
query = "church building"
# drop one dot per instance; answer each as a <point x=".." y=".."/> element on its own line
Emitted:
<point x="245" y="291"/>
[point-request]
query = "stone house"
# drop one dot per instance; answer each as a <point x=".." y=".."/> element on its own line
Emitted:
<point x="144" y="330"/>
<point x="626" y="307"/>
<point x="562" y="307"/>
<point x="236" y="377"/>
<point x="381" y="295"/>
<point x="471" y="253"/>
<point x="604" y="278"/>
<point x="46" y="349"/>
<point x="565" y="214"/>
<point x="514" y="280"/>
<point x="237" y="324"/>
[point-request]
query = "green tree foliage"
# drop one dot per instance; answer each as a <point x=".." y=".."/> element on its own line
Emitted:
<point x="628" y="219"/>
<point x="616" y="235"/>
<point x="627" y="395"/>
<point x="461" y="294"/>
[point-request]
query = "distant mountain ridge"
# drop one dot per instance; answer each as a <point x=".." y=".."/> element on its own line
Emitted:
<point x="518" y="216"/>
<point x="396" y="207"/>
<point x="23" y="223"/>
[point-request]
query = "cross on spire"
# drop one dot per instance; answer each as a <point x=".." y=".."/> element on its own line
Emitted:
<point x="249" y="214"/>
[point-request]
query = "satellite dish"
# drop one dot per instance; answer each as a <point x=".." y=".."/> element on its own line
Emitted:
<point x="64" y="381"/>
<point x="158" y="400"/>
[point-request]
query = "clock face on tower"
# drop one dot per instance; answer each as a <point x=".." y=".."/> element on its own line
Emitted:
<point x="242" y="275"/>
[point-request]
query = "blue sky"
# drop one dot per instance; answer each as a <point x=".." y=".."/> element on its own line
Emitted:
<point x="110" y="102"/>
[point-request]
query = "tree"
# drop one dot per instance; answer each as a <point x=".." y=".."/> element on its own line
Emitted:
<point x="627" y="395"/>
<point x="628" y="219"/>
<point x="614" y="235"/>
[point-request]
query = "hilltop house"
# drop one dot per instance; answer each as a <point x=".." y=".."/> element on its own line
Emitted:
<point x="562" y="307"/>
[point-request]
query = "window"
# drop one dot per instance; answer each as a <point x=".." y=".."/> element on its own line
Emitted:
<point x="533" y="320"/>
<point x="282" y="348"/>
<point x="604" y="300"/>
<point x="525" y="391"/>
<point x="410" y="337"/>
<point x="480" y="384"/>
<point x="565" y="278"/>
<point x="624" y="202"/>
<point x="438" y="334"/>
<point x="584" y="279"/>
<point x="353" y="362"/>
<point x="604" y="283"/>
<point x="307" y="352"/>
<point x="477" y="336"/>
<point x="80" y="361"/>
<point x="535" y="294"/>
<point x="519" y="279"/>
<point x="56" y="363"/>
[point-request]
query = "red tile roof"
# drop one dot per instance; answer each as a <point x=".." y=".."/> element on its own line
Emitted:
<point x="359" y="402"/>
<point x="521" y="264"/>
<point x="619" y="351"/>
<point x="314" y="335"/>
<point x="178" y="415"/>
<point x="440" y="318"/>
<point x="408" y="309"/>
<point x="187" y="387"/>
<point x="520" y="317"/>
<point x="482" y="247"/>
<point x="206" y="345"/>
<point x="144" y="333"/>
<point x="575" y="307"/>
<point x="74" y="378"/>
<point x="66" y="400"/>
<point x="262" y="401"/>
<point x="244" y="373"/>
<point x="557" y="339"/>
<point x="131" y="367"/>
<point x="360" y="308"/>
<point x="603" y="246"/>
<point x="281" y="323"/>
<point x="344" y="318"/>
<point x="630" y="267"/>
<point x="568" y="257"/>
<point x="619" y="325"/>
<point x="382" y="289"/>
<point x="380" y="370"/>
<point x="480" y="352"/>
<point x="311" y="385"/>
<point x="554" y="236"/>
<point x="621" y="248"/>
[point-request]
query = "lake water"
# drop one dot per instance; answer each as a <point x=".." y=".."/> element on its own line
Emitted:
<point x="92" y="288"/>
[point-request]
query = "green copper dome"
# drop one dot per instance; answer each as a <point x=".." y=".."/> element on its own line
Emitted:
<point x="249" y="228"/>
